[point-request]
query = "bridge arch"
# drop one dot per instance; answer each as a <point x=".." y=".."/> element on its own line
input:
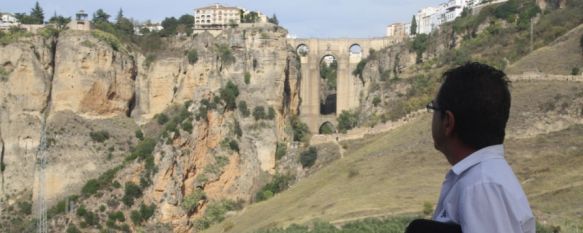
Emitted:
<point x="327" y="128"/>
<point x="328" y="84"/>
<point x="355" y="48"/>
<point x="303" y="50"/>
<point x="348" y="52"/>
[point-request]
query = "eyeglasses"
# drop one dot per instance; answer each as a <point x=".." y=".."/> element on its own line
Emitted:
<point x="431" y="107"/>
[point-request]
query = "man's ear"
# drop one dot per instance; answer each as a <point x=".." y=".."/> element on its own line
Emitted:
<point x="448" y="123"/>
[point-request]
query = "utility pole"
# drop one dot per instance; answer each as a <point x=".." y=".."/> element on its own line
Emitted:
<point x="531" y="35"/>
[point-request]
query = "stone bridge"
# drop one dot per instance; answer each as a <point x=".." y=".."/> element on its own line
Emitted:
<point x="347" y="53"/>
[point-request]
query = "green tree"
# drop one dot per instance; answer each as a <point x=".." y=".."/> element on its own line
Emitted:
<point x="123" y="24"/>
<point x="280" y="150"/>
<point x="251" y="17"/>
<point x="139" y="134"/>
<point x="376" y="101"/>
<point x="419" y="46"/>
<point x="60" y="21"/>
<point x="413" y="26"/>
<point x="192" y="56"/>
<point x="273" y="20"/>
<point x="229" y="95"/>
<point x="270" y="113"/>
<point x="309" y="157"/>
<point x="259" y="113"/>
<point x="247" y="78"/>
<point x="169" y="25"/>
<point x="100" y="17"/>
<point x="346" y="121"/>
<point x="187" y="22"/>
<point x="300" y="130"/>
<point x="243" y="108"/>
<point x="37" y="14"/>
<point x="225" y="55"/>
<point x="190" y="202"/>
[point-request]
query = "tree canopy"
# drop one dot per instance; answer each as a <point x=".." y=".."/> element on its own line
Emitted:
<point x="413" y="26"/>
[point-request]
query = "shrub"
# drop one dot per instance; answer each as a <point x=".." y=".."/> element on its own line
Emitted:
<point x="117" y="216"/>
<point x="229" y="95"/>
<point x="376" y="101"/>
<point x="270" y="113"/>
<point x="327" y="128"/>
<point x="162" y="119"/>
<point x="192" y="56"/>
<point x="215" y="213"/>
<point x="280" y="150"/>
<point x="131" y="192"/>
<point x="139" y="134"/>
<point x="109" y="38"/>
<point x="187" y="126"/>
<point x="73" y="229"/>
<point x="575" y="71"/>
<point x="90" y="187"/>
<point x="136" y="217"/>
<point x="147" y="211"/>
<point x="278" y="184"/>
<point x="347" y="121"/>
<point x="237" y="129"/>
<point x="149" y="59"/>
<point x="143" y="149"/>
<point x="91" y="218"/>
<point x="243" y="109"/>
<point x="247" y="78"/>
<point x="308" y="158"/>
<point x="359" y="68"/>
<point x="225" y="55"/>
<point x="259" y="113"/>
<point x="2" y="166"/>
<point x="300" y="130"/>
<point x="81" y="211"/>
<point x="190" y="202"/>
<point x="234" y="145"/>
<point x="25" y="207"/>
<point x="99" y="136"/>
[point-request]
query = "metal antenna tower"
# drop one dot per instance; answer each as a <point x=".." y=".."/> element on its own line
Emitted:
<point x="42" y="163"/>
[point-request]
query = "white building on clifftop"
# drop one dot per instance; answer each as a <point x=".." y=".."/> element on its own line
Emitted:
<point x="216" y="16"/>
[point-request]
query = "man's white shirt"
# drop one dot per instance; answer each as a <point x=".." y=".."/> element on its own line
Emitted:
<point x="482" y="194"/>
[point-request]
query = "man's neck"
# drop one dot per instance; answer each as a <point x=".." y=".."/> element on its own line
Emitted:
<point x="458" y="152"/>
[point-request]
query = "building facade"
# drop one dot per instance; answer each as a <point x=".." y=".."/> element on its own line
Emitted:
<point x="430" y="18"/>
<point x="216" y="16"/>
<point x="399" y="31"/>
<point x="7" y="21"/>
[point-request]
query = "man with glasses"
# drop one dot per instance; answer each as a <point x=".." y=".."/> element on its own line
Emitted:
<point x="480" y="192"/>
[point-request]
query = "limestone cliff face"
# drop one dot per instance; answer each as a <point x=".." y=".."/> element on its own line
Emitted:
<point x="189" y="162"/>
<point x="86" y="86"/>
<point x="24" y="90"/>
<point x="91" y="78"/>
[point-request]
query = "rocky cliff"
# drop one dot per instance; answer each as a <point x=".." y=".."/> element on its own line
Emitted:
<point x="93" y="96"/>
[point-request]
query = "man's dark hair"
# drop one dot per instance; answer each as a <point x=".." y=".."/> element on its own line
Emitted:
<point x="479" y="99"/>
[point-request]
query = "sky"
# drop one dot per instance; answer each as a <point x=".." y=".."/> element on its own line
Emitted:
<point x="302" y="18"/>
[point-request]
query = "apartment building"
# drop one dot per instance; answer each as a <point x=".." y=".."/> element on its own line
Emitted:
<point x="216" y="16"/>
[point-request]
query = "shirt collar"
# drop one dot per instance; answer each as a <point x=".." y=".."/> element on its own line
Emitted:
<point x="490" y="152"/>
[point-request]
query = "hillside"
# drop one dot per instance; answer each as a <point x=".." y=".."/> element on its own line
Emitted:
<point x="560" y="57"/>
<point x="395" y="173"/>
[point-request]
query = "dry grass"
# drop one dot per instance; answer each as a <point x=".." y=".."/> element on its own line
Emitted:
<point x="397" y="172"/>
<point x="558" y="58"/>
